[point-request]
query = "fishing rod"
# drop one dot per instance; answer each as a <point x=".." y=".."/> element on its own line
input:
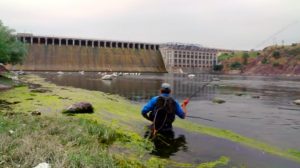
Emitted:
<point x="198" y="90"/>
<point x="186" y="101"/>
<point x="197" y="117"/>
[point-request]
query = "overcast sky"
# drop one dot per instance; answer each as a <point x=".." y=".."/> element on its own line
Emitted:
<point x="230" y="24"/>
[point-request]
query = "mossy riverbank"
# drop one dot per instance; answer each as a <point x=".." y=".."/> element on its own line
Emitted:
<point x="110" y="137"/>
<point x="112" y="132"/>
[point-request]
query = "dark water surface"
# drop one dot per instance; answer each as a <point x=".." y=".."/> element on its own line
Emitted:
<point x="271" y="118"/>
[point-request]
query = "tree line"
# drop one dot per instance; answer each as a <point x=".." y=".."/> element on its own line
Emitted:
<point x="12" y="51"/>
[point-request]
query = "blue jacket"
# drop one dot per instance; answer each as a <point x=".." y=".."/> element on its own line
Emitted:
<point x="151" y="105"/>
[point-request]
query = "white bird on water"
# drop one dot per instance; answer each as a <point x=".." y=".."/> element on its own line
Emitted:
<point x="60" y="73"/>
<point x="107" y="77"/>
<point x="191" y="76"/>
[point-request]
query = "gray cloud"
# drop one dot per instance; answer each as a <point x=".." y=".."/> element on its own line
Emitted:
<point x="236" y="24"/>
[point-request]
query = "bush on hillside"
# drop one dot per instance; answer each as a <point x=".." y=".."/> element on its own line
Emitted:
<point x="276" y="54"/>
<point x="218" y="67"/>
<point x="294" y="51"/>
<point x="236" y="65"/>
<point x="265" y="61"/>
<point x="245" y="58"/>
<point x="276" y="64"/>
<point x="224" y="56"/>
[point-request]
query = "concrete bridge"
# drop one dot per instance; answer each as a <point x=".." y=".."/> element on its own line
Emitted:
<point x="73" y="54"/>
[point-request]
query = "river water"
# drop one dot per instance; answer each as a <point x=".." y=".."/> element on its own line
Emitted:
<point x="256" y="107"/>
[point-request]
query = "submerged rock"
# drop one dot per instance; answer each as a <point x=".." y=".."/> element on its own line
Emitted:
<point x="4" y="87"/>
<point x="297" y="102"/>
<point x="81" y="107"/>
<point x="40" y="90"/>
<point x="218" y="101"/>
<point x="255" y="97"/>
<point x="239" y="94"/>
<point x="34" y="86"/>
<point x="215" y="79"/>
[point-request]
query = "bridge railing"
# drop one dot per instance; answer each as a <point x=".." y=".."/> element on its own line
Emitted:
<point x="46" y="40"/>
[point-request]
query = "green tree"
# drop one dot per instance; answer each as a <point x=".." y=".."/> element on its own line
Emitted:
<point x="276" y="54"/>
<point x="218" y="67"/>
<point x="12" y="51"/>
<point x="236" y="65"/>
<point x="245" y="58"/>
<point x="265" y="61"/>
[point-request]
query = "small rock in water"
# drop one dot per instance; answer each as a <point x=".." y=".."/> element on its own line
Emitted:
<point x="43" y="165"/>
<point x="255" y="97"/>
<point x="215" y="79"/>
<point x="218" y="101"/>
<point x="297" y="102"/>
<point x="81" y="107"/>
<point x="239" y="94"/>
<point x="35" y="113"/>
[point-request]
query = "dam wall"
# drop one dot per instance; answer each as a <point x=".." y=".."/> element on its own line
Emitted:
<point x="66" y="54"/>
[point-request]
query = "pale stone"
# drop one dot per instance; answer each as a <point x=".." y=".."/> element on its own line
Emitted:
<point x="297" y="102"/>
<point x="43" y="165"/>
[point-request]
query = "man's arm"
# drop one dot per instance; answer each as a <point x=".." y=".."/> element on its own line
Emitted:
<point x="149" y="107"/>
<point x="145" y="115"/>
<point x="181" y="111"/>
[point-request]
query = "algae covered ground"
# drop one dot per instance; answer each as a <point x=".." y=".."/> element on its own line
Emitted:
<point x="110" y="137"/>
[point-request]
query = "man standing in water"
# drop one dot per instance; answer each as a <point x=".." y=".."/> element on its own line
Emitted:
<point x="163" y="109"/>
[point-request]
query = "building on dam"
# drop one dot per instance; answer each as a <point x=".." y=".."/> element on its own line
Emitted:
<point x="189" y="57"/>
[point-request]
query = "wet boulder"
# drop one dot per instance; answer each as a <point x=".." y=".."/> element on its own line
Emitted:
<point x="218" y="101"/>
<point x="81" y="107"/>
<point x="297" y="102"/>
<point x="36" y="113"/>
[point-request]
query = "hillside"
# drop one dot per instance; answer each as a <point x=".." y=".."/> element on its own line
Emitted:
<point x="272" y="60"/>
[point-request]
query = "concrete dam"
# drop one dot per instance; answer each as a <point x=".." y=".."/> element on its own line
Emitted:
<point x="70" y="54"/>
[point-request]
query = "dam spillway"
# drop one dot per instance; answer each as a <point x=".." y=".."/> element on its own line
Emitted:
<point x="70" y="54"/>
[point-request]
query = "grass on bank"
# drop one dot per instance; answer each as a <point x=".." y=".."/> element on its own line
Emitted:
<point x="27" y="140"/>
<point x="237" y="54"/>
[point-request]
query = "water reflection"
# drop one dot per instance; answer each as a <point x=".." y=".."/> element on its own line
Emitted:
<point x="139" y="88"/>
<point x="166" y="144"/>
